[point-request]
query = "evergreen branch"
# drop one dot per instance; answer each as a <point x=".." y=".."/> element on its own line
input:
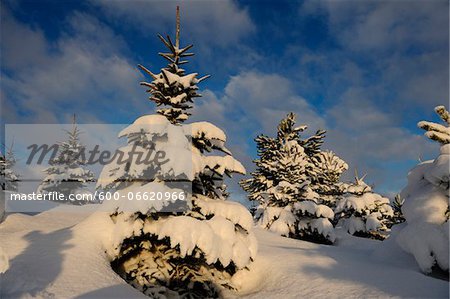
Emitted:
<point x="169" y="44"/>
<point x="174" y="48"/>
<point x="443" y="113"/>
<point x="147" y="71"/>
<point x="146" y="84"/>
<point x="167" y="56"/>
<point x="163" y="72"/>
<point x="186" y="54"/>
<point x="185" y="49"/>
<point x="203" y="78"/>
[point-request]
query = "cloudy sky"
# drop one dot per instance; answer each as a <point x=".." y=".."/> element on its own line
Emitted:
<point x="366" y="71"/>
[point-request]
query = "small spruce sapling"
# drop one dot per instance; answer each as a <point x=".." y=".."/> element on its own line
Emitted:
<point x="67" y="173"/>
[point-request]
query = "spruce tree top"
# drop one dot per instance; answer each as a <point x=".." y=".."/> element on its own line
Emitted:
<point x="172" y="88"/>
<point x="287" y="130"/>
<point x="69" y="151"/>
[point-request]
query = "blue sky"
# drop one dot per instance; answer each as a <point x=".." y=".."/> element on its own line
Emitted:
<point x="366" y="71"/>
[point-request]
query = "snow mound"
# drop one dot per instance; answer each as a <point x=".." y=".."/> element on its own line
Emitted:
<point x="427" y="242"/>
<point x="426" y="207"/>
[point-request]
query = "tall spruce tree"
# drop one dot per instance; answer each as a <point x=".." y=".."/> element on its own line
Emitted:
<point x="165" y="251"/>
<point x="67" y="173"/>
<point x="282" y="185"/>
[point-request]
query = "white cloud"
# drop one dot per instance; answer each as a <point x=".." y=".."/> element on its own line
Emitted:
<point x="400" y="47"/>
<point x="422" y="80"/>
<point x="267" y="98"/>
<point x="84" y="70"/>
<point x="22" y="46"/>
<point x="372" y="141"/>
<point x="216" y="22"/>
<point x="384" y="25"/>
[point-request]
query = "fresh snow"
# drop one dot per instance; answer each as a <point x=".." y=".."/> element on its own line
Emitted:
<point x="314" y="209"/>
<point x="365" y="202"/>
<point x="426" y="235"/>
<point x="216" y="238"/>
<point x="50" y="256"/>
<point x="204" y="129"/>
<point x="185" y="81"/>
<point x="60" y="254"/>
<point x="157" y="123"/>
<point x="354" y="268"/>
<point x="145" y="204"/>
<point x="174" y="141"/>
<point x="233" y="211"/>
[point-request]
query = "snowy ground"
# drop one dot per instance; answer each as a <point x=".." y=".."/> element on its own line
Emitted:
<point x="354" y="268"/>
<point x="52" y="257"/>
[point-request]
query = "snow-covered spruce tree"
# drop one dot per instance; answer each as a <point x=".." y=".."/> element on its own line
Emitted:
<point x="426" y="206"/>
<point x="67" y="173"/>
<point x="158" y="248"/>
<point x="9" y="179"/>
<point x="280" y="184"/>
<point x="364" y="213"/>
